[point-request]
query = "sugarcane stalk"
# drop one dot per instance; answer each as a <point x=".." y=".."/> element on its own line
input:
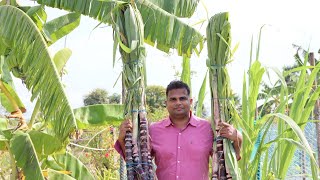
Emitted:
<point x="129" y="27"/>
<point x="218" y="36"/>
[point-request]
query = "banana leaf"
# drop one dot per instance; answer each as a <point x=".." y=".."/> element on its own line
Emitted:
<point x="160" y="27"/>
<point x="29" y="54"/>
<point x="7" y="90"/>
<point x="44" y="144"/>
<point x="75" y="166"/>
<point x="25" y="155"/>
<point x="180" y="8"/>
<point x="99" y="115"/>
<point x="60" y="59"/>
<point x="53" y="174"/>
<point x="61" y="26"/>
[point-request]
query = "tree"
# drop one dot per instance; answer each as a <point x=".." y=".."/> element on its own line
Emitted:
<point x="115" y="98"/>
<point x="155" y="97"/>
<point x="97" y="96"/>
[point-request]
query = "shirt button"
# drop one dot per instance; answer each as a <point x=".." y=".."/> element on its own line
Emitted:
<point x="178" y="161"/>
<point x="177" y="177"/>
<point x="179" y="133"/>
<point x="179" y="147"/>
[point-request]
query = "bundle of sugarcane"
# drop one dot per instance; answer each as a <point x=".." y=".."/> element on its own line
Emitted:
<point x="129" y="34"/>
<point x="218" y="43"/>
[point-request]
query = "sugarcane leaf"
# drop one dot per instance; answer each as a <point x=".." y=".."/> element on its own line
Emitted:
<point x="33" y="60"/>
<point x="299" y="133"/>
<point x="25" y="155"/>
<point x="61" y="26"/>
<point x="53" y="174"/>
<point x="201" y="96"/>
<point x="231" y="160"/>
<point x="75" y="166"/>
<point x="115" y="47"/>
<point x="99" y="115"/>
<point x="5" y="102"/>
<point x="60" y="59"/>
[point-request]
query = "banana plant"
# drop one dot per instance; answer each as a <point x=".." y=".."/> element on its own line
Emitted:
<point x="24" y="51"/>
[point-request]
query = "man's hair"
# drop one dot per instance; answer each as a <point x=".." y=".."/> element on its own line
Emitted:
<point x="177" y="85"/>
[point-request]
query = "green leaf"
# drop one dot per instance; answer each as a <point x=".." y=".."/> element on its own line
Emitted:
<point x="25" y="155"/>
<point x="77" y="168"/>
<point x="186" y="71"/>
<point x="32" y="58"/>
<point x="45" y="144"/>
<point x="53" y="174"/>
<point x="180" y="8"/>
<point x="5" y="102"/>
<point x="201" y="96"/>
<point x="60" y="59"/>
<point x="38" y="15"/>
<point x="160" y="27"/>
<point x="3" y="124"/>
<point x="61" y="26"/>
<point x="100" y="114"/>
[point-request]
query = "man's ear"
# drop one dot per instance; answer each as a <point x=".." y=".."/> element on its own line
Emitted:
<point x="191" y="100"/>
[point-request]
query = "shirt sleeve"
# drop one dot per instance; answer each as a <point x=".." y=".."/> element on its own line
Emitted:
<point x="118" y="149"/>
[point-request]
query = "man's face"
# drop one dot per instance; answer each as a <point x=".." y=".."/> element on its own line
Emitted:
<point x="178" y="103"/>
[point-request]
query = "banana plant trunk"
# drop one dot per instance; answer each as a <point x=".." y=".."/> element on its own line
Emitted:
<point x="129" y="31"/>
<point x="219" y="41"/>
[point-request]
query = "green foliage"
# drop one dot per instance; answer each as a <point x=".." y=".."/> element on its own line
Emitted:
<point x="180" y="8"/>
<point x="97" y="96"/>
<point x="162" y="29"/>
<point x="23" y="149"/>
<point x="98" y="115"/>
<point x="159" y="114"/>
<point x="61" y="26"/>
<point x="155" y="97"/>
<point x="115" y="98"/>
<point x="74" y="165"/>
<point x="222" y="106"/>
<point x="27" y="53"/>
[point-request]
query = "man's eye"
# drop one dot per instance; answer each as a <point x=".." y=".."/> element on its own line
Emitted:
<point x="183" y="98"/>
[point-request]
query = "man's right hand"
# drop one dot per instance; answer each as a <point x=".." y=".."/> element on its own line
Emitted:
<point x="125" y="126"/>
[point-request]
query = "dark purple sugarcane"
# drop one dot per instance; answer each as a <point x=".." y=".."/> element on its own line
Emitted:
<point x="144" y="146"/>
<point x="129" y="159"/>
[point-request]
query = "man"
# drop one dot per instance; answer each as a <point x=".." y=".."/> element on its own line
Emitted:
<point x="181" y="143"/>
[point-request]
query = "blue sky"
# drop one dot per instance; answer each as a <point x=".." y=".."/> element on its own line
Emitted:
<point x="286" y="22"/>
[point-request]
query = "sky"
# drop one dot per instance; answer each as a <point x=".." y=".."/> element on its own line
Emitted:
<point x="285" y="22"/>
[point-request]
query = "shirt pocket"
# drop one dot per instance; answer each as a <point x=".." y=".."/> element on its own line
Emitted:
<point x="199" y="149"/>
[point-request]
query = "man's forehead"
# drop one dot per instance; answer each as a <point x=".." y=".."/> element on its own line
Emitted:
<point x="178" y="93"/>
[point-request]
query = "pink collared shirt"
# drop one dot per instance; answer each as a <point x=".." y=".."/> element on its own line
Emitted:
<point x="181" y="153"/>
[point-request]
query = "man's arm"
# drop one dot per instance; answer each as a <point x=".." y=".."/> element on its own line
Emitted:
<point x="228" y="131"/>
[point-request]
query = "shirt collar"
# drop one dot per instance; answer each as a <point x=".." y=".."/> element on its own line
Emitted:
<point x="193" y="121"/>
